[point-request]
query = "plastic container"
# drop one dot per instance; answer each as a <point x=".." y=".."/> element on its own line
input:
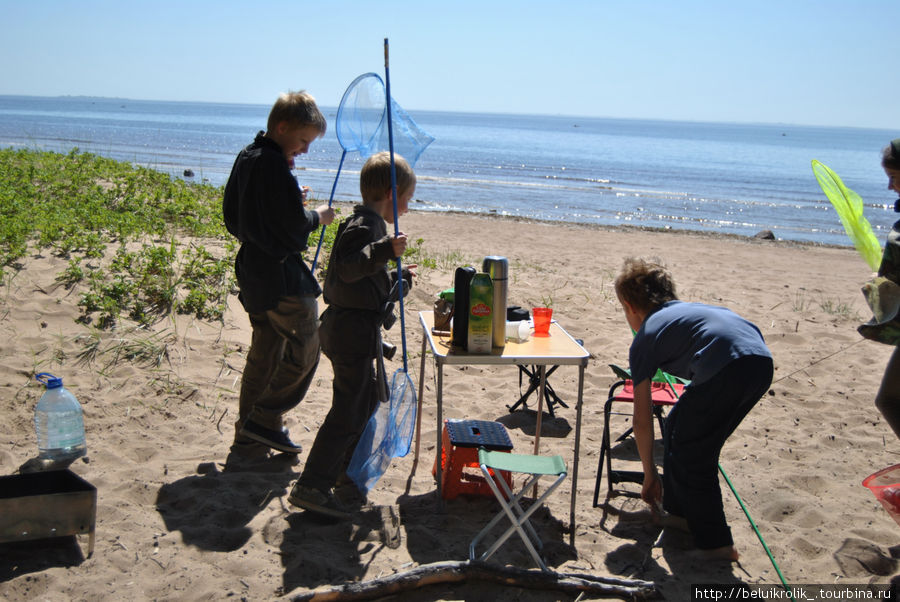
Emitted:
<point x="885" y="484"/>
<point x="58" y="422"/>
<point x="481" y="301"/>
<point x="541" y="318"/>
<point x="517" y="332"/>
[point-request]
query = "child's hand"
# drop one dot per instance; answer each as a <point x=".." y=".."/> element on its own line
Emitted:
<point x="399" y="244"/>
<point x="326" y="214"/>
<point x="651" y="492"/>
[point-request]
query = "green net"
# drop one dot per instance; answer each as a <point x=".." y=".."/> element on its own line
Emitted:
<point x="849" y="207"/>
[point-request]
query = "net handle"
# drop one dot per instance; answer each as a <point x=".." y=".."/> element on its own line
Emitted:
<point x="387" y="87"/>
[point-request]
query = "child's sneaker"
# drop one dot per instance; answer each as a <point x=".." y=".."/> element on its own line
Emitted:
<point x="314" y="500"/>
<point x="349" y="495"/>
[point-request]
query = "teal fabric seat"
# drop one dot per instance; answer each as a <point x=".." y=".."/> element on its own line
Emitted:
<point x="534" y="466"/>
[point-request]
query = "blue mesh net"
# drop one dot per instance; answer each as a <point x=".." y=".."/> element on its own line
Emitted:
<point x="361" y="126"/>
<point x="388" y="434"/>
<point x="361" y="122"/>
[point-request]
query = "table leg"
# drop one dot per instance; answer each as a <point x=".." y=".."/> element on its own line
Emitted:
<point x="577" y="451"/>
<point x="440" y="426"/>
<point x="542" y="392"/>
<point x="540" y="411"/>
<point x="419" y="401"/>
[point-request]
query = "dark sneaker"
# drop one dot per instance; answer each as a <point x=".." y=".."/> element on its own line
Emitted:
<point x="275" y="439"/>
<point x="349" y="495"/>
<point x="320" y="502"/>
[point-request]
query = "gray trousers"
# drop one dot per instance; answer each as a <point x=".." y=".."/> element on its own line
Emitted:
<point x="281" y="362"/>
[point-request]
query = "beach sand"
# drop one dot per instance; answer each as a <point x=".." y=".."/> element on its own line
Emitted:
<point x="173" y="525"/>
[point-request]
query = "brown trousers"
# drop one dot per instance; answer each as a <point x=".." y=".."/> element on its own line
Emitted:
<point x="281" y="362"/>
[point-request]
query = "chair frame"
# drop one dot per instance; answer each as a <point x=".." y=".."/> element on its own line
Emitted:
<point x="534" y="385"/>
<point x="661" y="396"/>
<point x="536" y="466"/>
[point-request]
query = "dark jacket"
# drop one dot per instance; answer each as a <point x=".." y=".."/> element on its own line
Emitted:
<point x="357" y="284"/>
<point x="263" y="209"/>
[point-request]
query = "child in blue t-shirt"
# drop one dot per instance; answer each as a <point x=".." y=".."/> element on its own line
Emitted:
<point x="730" y="368"/>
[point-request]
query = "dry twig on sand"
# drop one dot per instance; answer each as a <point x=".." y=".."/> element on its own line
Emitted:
<point x="457" y="571"/>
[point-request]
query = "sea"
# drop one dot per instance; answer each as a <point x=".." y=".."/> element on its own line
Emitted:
<point x="732" y="178"/>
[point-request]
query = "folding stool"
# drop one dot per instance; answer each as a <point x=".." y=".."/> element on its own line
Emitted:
<point x="461" y="440"/>
<point x="536" y="467"/>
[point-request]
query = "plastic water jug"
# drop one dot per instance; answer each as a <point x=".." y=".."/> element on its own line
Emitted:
<point x="58" y="422"/>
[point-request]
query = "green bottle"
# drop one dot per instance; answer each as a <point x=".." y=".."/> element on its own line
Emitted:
<point x="481" y="300"/>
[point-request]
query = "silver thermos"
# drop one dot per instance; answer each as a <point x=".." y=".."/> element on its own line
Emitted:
<point x="498" y="269"/>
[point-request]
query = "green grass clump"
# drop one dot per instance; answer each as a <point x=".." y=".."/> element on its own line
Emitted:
<point x="77" y="205"/>
<point x="79" y="202"/>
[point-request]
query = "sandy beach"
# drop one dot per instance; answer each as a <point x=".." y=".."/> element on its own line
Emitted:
<point x="172" y="524"/>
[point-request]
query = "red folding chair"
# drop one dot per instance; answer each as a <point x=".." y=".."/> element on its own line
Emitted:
<point x="662" y="394"/>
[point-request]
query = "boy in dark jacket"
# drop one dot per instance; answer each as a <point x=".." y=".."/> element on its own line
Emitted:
<point x="263" y="208"/>
<point x="358" y="289"/>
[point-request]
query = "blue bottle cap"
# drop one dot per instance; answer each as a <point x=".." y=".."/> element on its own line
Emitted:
<point x="52" y="382"/>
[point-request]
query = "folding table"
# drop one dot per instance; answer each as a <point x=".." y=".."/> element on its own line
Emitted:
<point x="557" y="349"/>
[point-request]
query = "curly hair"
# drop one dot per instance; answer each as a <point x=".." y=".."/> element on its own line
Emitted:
<point x="890" y="155"/>
<point x="645" y="285"/>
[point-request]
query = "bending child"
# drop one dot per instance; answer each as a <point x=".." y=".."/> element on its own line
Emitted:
<point x="729" y="367"/>
<point x="359" y="290"/>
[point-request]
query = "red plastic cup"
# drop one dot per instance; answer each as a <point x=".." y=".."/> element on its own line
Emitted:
<point x="541" y="317"/>
<point x="885" y="484"/>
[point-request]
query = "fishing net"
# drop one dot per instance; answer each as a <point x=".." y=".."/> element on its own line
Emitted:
<point x="388" y="434"/>
<point x="361" y="122"/>
<point x="849" y="207"/>
<point x="361" y="125"/>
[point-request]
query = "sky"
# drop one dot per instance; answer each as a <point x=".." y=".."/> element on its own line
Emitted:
<point x="804" y="62"/>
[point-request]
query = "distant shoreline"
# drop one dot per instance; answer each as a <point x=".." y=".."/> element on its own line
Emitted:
<point x="333" y="108"/>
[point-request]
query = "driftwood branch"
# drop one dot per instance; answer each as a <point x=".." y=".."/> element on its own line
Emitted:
<point x="459" y="571"/>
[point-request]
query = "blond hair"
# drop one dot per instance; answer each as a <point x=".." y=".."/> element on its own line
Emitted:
<point x="645" y="285"/>
<point x="375" y="177"/>
<point x="298" y="109"/>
